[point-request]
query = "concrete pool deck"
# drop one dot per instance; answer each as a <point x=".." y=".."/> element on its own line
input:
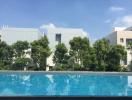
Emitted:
<point x="69" y="72"/>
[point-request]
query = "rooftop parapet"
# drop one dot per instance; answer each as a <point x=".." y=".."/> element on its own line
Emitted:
<point x="118" y="29"/>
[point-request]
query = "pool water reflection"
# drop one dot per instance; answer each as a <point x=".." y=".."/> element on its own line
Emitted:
<point x="40" y="84"/>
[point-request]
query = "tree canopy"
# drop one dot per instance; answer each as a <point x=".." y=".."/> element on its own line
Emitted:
<point x="40" y="51"/>
<point x="78" y="49"/>
<point x="6" y="54"/>
<point x="101" y="56"/>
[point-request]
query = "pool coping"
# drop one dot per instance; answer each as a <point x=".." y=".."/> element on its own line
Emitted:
<point x="68" y="72"/>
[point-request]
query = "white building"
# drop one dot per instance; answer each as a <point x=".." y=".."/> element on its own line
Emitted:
<point x="62" y="35"/>
<point x="12" y="35"/>
<point x="121" y="36"/>
<point x="54" y="35"/>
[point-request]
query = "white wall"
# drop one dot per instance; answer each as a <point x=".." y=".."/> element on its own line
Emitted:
<point x="67" y="34"/>
<point x="11" y="35"/>
<point x="112" y="37"/>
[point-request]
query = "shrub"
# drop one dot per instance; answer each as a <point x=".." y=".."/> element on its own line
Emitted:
<point x="124" y="69"/>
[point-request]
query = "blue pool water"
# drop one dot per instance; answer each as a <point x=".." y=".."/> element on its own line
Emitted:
<point x="40" y="84"/>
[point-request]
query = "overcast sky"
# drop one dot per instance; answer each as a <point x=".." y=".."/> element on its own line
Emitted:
<point x="97" y="17"/>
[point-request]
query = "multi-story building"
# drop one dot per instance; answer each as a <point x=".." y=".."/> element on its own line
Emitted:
<point x="121" y="36"/>
<point x="12" y="35"/>
<point x="55" y="35"/>
<point x="63" y="35"/>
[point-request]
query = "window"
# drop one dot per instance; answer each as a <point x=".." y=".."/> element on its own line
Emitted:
<point x="121" y="40"/>
<point x="128" y="40"/>
<point x="108" y="41"/>
<point x="58" y="37"/>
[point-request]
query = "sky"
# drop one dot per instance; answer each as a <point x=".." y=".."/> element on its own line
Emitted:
<point x="96" y="17"/>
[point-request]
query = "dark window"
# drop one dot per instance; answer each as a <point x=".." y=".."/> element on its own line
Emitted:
<point x="108" y="41"/>
<point x="121" y="40"/>
<point x="58" y="37"/>
<point x="128" y="41"/>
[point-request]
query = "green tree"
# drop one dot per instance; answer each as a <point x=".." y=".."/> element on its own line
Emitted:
<point x="6" y="54"/>
<point x="20" y="63"/>
<point x="102" y="48"/>
<point x="89" y="59"/>
<point x="2" y="66"/>
<point x="19" y="47"/>
<point x="79" y="47"/>
<point x="40" y="52"/>
<point x="61" y="57"/>
<point x="116" y="54"/>
<point x="60" y="54"/>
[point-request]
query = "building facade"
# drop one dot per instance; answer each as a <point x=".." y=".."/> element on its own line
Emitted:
<point x="121" y="36"/>
<point x="55" y="35"/>
<point x="12" y="35"/>
<point x="62" y="35"/>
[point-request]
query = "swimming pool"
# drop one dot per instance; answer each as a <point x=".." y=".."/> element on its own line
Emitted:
<point x="64" y="84"/>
